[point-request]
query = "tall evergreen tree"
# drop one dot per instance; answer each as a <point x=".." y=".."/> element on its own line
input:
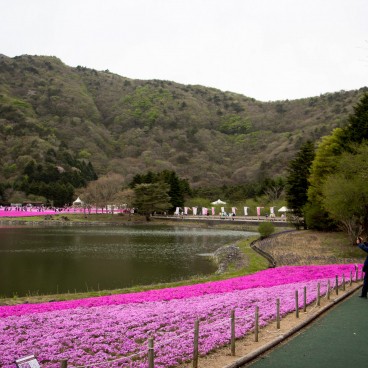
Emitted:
<point x="297" y="179"/>
<point x="175" y="192"/>
<point x="357" y="129"/>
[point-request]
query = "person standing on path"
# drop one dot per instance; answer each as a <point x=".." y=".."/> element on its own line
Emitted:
<point x="364" y="246"/>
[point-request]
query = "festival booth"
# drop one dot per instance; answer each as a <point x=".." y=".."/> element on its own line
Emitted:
<point x="219" y="201"/>
<point x="78" y="202"/>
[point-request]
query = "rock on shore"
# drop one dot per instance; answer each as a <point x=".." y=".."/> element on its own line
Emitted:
<point x="229" y="255"/>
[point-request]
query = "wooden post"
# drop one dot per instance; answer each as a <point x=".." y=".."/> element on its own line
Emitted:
<point x="343" y="282"/>
<point x="328" y="289"/>
<point x="278" y="313"/>
<point x="256" y="320"/>
<point x="296" y="304"/>
<point x="356" y="274"/>
<point x="195" y="348"/>
<point x="319" y="294"/>
<point x="233" y="332"/>
<point x="64" y="364"/>
<point x="151" y="353"/>
<point x="305" y="299"/>
<point x="337" y="285"/>
<point x="351" y="277"/>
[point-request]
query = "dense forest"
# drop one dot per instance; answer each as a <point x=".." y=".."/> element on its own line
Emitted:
<point x="71" y="125"/>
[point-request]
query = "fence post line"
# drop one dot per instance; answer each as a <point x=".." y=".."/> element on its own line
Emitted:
<point x="195" y="347"/>
<point x="343" y="282"/>
<point x="256" y="320"/>
<point x="151" y="353"/>
<point x="233" y="332"/>
<point x="328" y="289"/>
<point x="278" y="313"/>
<point x="337" y="285"/>
<point x="305" y="299"/>
<point x="64" y="363"/>
<point x="356" y="274"/>
<point x="296" y="304"/>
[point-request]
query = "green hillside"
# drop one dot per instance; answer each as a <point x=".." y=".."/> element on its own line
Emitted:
<point x="49" y="110"/>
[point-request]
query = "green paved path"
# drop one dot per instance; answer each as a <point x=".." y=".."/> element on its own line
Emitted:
<point x="337" y="339"/>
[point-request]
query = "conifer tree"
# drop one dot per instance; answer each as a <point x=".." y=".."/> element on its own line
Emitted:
<point x="297" y="179"/>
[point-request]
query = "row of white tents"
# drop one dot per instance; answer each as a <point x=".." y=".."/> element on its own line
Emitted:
<point x="212" y="211"/>
<point x="79" y="202"/>
<point x="283" y="209"/>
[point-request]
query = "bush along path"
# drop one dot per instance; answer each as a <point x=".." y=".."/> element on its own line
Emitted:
<point x="115" y="330"/>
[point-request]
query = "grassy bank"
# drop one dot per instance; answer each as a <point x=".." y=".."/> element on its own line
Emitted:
<point x="312" y="247"/>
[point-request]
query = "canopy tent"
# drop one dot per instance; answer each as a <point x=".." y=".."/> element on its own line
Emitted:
<point x="283" y="209"/>
<point x="219" y="201"/>
<point x="78" y="202"/>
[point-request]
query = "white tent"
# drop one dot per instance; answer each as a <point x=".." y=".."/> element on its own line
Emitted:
<point x="283" y="209"/>
<point x="219" y="201"/>
<point x="78" y="202"/>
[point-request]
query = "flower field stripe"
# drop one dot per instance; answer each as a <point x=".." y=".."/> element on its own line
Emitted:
<point x="96" y="334"/>
<point x="265" y="278"/>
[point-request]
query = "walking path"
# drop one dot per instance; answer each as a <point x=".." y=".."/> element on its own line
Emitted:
<point x="337" y="339"/>
<point x="270" y="337"/>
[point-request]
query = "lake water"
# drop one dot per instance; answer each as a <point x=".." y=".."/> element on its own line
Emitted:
<point x="47" y="260"/>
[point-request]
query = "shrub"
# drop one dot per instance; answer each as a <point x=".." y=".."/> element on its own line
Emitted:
<point x="266" y="229"/>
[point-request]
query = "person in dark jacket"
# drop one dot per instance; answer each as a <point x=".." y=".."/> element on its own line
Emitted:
<point x="364" y="246"/>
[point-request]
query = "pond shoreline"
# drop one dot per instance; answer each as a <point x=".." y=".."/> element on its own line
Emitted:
<point x="121" y="220"/>
<point x="257" y="263"/>
<point x="37" y="298"/>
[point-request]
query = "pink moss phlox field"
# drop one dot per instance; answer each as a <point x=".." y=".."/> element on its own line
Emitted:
<point x="266" y="278"/>
<point x="97" y="334"/>
<point x="35" y="212"/>
<point x="102" y="329"/>
<point x="43" y="212"/>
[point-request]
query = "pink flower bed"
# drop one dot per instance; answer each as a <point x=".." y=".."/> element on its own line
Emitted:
<point x="36" y="212"/>
<point x="266" y="278"/>
<point x="14" y="213"/>
<point x="98" y="330"/>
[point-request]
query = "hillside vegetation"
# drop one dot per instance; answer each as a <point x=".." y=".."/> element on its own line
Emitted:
<point x="49" y="111"/>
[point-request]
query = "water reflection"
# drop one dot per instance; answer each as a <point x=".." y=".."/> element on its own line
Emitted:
<point x="62" y="259"/>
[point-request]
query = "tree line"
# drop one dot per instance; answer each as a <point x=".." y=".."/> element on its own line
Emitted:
<point x="327" y="184"/>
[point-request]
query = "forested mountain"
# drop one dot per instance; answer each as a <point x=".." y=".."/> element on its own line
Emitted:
<point x="78" y="118"/>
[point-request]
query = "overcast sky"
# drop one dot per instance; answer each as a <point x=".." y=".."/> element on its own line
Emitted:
<point x="265" y="49"/>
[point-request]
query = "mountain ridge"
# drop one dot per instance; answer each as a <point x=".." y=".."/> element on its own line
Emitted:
<point x="130" y="126"/>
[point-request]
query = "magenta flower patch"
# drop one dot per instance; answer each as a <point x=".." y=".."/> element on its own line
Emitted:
<point x="101" y="329"/>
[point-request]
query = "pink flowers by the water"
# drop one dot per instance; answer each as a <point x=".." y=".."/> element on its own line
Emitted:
<point x="44" y="211"/>
<point x="101" y="329"/>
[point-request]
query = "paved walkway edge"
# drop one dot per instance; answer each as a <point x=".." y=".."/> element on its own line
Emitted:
<point x="254" y="354"/>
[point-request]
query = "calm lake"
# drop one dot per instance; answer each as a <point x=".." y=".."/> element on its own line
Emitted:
<point x="48" y="260"/>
